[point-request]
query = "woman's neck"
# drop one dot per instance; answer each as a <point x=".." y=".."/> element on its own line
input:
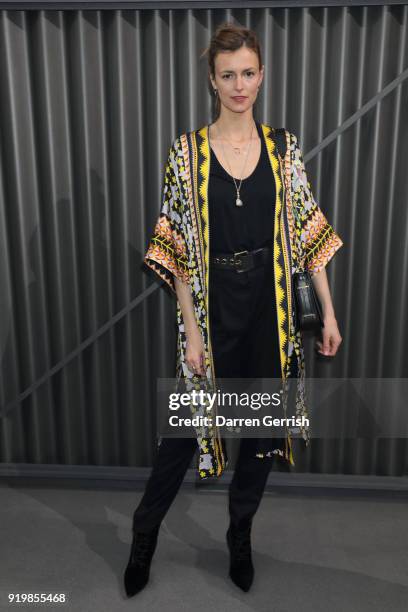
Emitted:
<point x="236" y="127"/>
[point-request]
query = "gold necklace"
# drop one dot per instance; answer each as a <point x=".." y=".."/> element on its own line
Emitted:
<point x="238" y="200"/>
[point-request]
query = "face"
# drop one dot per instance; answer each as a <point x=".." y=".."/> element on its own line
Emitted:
<point x="237" y="78"/>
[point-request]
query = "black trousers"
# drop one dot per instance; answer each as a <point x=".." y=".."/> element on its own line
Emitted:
<point x="245" y="344"/>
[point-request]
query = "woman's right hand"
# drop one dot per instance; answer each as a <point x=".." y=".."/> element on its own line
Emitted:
<point x="195" y="351"/>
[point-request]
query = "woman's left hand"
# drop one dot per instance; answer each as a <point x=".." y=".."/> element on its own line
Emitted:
<point x="331" y="338"/>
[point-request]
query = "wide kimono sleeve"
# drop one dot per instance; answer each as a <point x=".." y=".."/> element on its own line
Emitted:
<point x="318" y="238"/>
<point x="167" y="252"/>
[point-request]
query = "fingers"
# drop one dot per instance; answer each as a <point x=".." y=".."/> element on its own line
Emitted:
<point x="197" y="367"/>
<point x="328" y="348"/>
<point x="196" y="370"/>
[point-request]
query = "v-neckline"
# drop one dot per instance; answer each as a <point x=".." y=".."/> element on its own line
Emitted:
<point x="212" y="152"/>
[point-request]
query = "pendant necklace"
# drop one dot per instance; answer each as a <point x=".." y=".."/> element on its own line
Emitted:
<point x="238" y="200"/>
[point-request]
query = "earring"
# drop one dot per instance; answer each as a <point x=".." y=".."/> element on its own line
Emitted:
<point x="215" y="92"/>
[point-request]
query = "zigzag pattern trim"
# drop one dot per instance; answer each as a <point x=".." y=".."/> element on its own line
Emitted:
<point x="280" y="279"/>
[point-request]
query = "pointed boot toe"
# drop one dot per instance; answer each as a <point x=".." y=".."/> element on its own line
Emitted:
<point x="135" y="579"/>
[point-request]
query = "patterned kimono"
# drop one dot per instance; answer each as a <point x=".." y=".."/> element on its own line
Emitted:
<point x="180" y="247"/>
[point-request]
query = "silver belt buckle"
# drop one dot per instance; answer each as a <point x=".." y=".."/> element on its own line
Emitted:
<point x="238" y="261"/>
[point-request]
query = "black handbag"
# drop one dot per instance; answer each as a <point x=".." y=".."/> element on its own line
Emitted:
<point x="307" y="307"/>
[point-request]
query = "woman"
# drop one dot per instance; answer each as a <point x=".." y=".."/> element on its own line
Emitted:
<point x="236" y="220"/>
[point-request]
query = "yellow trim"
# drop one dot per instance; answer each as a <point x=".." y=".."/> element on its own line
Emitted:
<point x="289" y="455"/>
<point x="279" y="290"/>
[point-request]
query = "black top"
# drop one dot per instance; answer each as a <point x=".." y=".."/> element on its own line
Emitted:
<point x="236" y="228"/>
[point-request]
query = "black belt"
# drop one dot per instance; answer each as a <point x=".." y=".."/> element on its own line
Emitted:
<point x="242" y="261"/>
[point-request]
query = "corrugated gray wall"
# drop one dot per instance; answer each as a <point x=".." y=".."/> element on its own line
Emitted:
<point x="89" y="104"/>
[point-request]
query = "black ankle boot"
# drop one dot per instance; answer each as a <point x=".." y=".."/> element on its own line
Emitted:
<point x="241" y="567"/>
<point x="138" y="568"/>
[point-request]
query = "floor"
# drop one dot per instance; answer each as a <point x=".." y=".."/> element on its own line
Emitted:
<point x="311" y="551"/>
